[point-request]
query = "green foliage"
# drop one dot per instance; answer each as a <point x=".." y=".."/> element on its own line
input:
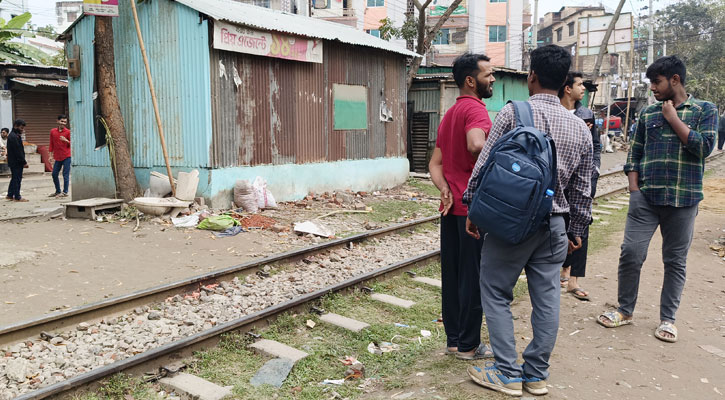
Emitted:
<point x="694" y="32"/>
<point x="408" y="31"/>
<point x="18" y="52"/>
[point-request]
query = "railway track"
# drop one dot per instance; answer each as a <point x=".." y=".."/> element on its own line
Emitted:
<point x="611" y="182"/>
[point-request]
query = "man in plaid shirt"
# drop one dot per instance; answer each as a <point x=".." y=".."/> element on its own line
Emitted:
<point x="665" y="165"/>
<point x="543" y="254"/>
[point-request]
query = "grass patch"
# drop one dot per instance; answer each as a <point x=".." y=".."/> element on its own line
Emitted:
<point x="391" y="210"/>
<point x="602" y="236"/>
<point x="120" y="387"/>
<point x="424" y="186"/>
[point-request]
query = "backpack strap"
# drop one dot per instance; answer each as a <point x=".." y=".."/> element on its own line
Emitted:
<point x="523" y="112"/>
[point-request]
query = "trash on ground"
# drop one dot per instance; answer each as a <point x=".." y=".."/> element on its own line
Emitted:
<point x="314" y="228"/>
<point x="333" y="382"/>
<point x="186" y="185"/>
<point x="265" y="199"/>
<point x="229" y="232"/>
<point x="310" y="323"/>
<point x="425" y="333"/>
<point x="189" y="221"/>
<point x="384" y="347"/>
<point x="245" y="197"/>
<point x="218" y="223"/>
<point x="356" y="370"/>
<point x="159" y="185"/>
<point x="399" y="325"/>
<point x="254" y="221"/>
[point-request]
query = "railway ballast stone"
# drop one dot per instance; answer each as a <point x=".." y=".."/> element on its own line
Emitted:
<point x="16" y="369"/>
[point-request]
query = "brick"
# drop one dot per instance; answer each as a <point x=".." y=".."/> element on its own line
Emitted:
<point x="429" y="281"/>
<point x="595" y="211"/>
<point x="277" y="349"/>
<point x="396" y="301"/>
<point x="273" y="372"/>
<point x="344" y="322"/>
<point x="193" y="387"/>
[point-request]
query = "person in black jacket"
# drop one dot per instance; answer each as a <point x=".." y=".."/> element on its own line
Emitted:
<point x="16" y="160"/>
<point x="570" y="96"/>
<point x="721" y="132"/>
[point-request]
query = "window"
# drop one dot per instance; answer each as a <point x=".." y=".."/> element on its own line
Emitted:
<point x="443" y="37"/>
<point x="262" y="3"/>
<point x="558" y="34"/>
<point x="350" y="107"/>
<point x="376" y="3"/>
<point x="497" y="33"/>
<point x="374" y="32"/>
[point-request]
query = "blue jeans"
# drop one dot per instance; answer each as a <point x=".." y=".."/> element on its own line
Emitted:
<point x="65" y="164"/>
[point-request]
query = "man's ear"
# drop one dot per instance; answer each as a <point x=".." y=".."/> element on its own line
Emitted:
<point x="676" y="80"/>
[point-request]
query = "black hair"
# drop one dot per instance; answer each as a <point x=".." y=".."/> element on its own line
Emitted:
<point x="19" y="122"/>
<point x="467" y="65"/>
<point x="569" y="82"/>
<point x="4" y="130"/>
<point x="551" y="64"/>
<point x="667" y="66"/>
<point x="62" y="116"/>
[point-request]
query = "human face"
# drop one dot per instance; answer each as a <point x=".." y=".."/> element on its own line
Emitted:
<point x="577" y="89"/>
<point x="4" y="134"/>
<point x="661" y="88"/>
<point x="484" y="80"/>
<point x="62" y="122"/>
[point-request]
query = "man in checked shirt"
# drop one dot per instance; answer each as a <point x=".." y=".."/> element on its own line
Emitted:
<point x="665" y="165"/>
<point x="542" y="255"/>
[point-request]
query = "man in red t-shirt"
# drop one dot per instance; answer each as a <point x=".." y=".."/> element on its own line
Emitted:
<point x="60" y="147"/>
<point x="461" y="136"/>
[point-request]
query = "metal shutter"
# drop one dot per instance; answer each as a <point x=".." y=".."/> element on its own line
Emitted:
<point x="40" y="111"/>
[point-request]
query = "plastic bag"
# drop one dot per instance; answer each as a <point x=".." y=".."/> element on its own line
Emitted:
<point x="218" y="223"/>
<point x="189" y="221"/>
<point x="264" y="196"/>
<point x="245" y="196"/>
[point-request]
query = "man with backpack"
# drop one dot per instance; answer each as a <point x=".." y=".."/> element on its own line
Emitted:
<point x="541" y="252"/>
<point x="461" y="136"/>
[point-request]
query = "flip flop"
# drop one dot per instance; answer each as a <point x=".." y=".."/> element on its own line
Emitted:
<point x="667" y="327"/>
<point x="615" y="318"/>
<point x="564" y="282"/>
<point x="575" y="292"/>
<point x="449" y="352"/>
<point x="482" y="351"/>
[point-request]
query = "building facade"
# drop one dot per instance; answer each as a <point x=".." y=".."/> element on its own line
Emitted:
<point x="309" y="105"/>
<point x="66" y="12"/>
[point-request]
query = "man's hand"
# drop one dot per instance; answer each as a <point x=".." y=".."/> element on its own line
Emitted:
<point x="26" y="165"/>
<point x="446" y="200"/>
<point x="669" y="111"/>
<point x="63" y="139"/>
<point x="590" y="125"/>
<point x="575" y="246"/>
<point x="472" y="229"/>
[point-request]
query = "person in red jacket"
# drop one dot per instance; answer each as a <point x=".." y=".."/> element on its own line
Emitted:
<point x="60" y="147"/>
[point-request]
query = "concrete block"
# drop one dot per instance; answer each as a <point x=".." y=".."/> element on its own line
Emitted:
<point x="35" y="169"/>
<point x="595" y="211"/>
<point x="277" y="349"/>
<point x="33" y="158"/>
<point x="429" y="281"/>
<point x="193" y="387"/>
<point x="344" y="322"/>
<point x="273" y="372"/>
<point x="610" y="206"/>
<point x="396" y="301"/>
<point x="621" y="203"/>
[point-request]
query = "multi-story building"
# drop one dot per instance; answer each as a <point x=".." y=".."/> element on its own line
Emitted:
<point x="67" y="12"/>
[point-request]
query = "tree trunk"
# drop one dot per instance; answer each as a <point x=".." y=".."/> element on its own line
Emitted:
<point x="126" y="185"/>
<point x="605" y="41"/>
<point x="426" y="38"/>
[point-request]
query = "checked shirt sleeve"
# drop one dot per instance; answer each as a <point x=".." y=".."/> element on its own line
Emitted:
<point x="701" y="142"/>
<point x="580" y="192"/>
<point x="503" y="123"/>
<point x="636" y="145"/>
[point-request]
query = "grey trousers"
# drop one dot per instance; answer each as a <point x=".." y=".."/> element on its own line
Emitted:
<point x="676" y="225"/>
<point x="541" y="256"/>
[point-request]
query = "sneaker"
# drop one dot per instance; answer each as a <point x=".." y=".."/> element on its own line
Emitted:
<point x="490" y="377"/>
<point x="54" y="194"/>
<point x="535" y="386"/>
<point x="63" y="195"/>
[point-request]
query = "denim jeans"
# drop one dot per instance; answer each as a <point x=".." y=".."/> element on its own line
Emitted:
<point x="676" y="225"/>
<point x="65" y="164"/>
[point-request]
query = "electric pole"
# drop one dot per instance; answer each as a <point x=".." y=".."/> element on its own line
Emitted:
<point x="650" y="41"/>
<point x="535" y="26"/>
<point x="605" y="41"/>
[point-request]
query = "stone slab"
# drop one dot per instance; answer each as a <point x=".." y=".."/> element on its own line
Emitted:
<point x="193" y="387"/>
<point x="596" y="217"/>
<point x="273" y="372"/>
<point x="429" y="281"/>
<point x="595" y="211"/>
<point x="277" y="349"/>
<point x="621" y="203"/>
<point x="396" y="301"/>
<point x="610" y="206"/>
<point x="344" y="322"/>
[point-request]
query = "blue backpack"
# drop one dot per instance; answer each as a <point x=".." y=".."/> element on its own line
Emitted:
<point x="517" y="183"/>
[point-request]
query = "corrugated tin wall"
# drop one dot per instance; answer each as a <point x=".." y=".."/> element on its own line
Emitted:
<point x="282" y="111"/>
<point x="176" y="42"/>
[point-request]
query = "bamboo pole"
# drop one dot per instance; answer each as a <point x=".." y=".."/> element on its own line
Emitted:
<point x="153" y="96"/>
<point x="629" y="85"/>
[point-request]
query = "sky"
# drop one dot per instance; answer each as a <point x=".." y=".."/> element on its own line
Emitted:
<point x="43" y="10"/>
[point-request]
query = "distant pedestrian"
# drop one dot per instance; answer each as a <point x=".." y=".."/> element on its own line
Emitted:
<point x="721" y="132"/>
<point x="575" y="264"/>
<point x="4" y="132"/>
<point x="16" y="160"/>
<point x="60" y="147"/>
<point x="461" y="136"/>
<point x="665" y="168"/>
<point x="542" y="254"/>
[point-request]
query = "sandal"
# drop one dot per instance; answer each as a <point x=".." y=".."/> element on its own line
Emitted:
<point x="482" y="351"/>
<point x="564" y="282"/>
<point x="615" y="318"/>
<point x="579" y="293"/>
<point x="666" y="327"/>
<point x="450" y="352"/>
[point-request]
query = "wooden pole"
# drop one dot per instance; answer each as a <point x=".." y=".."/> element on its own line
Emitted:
<point x="629" y="85"/>
<point x="153" y="96"/>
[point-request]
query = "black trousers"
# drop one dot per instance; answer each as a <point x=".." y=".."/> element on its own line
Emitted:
<point x="16" y="177"/>
<point x="578" y="259"/>
<point x="460" y="264"/>
<point x="720" y="139"/>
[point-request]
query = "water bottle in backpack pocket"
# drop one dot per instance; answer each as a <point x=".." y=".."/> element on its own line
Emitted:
<point x="516" y="184"/>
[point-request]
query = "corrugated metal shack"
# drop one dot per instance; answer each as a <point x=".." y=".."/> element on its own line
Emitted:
<point x="307" y="104"/>
<point x="434" y="91"/>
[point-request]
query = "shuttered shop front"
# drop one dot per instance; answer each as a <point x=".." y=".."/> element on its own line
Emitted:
<point x="40" y="111"/>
